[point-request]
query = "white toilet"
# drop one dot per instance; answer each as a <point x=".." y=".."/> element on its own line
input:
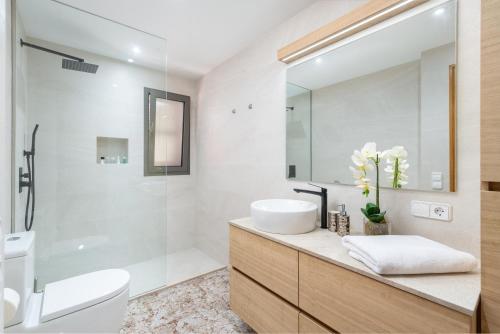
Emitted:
<point x="91" y="303"/>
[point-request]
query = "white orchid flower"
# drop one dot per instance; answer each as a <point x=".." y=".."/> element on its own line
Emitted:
<point x="369" y="150"/>
<point x="369" y="158"/>
<point x="397" y="166"/>
<point x="364" y="184"/>
<point x="363" y="161"/>
<point x="358" y="158"/>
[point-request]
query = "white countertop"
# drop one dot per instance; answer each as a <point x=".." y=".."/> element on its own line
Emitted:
<point x="459" y="292"/>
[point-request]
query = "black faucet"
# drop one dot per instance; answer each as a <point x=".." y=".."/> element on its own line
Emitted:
<point x="324" y="201"/>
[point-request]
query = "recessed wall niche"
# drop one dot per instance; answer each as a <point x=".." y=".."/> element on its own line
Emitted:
<point x="111" y="150"/>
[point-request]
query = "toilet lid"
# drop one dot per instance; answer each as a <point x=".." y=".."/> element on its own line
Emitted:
<point x="76" y="293"/>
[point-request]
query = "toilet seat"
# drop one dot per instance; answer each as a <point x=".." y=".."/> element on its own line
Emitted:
<point x="77" y="293"/>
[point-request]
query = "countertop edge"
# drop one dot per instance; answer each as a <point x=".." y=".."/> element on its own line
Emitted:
<point x="371" y="275"/>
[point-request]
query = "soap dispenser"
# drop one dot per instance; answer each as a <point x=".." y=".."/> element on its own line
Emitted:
<point x="343" y="225"/>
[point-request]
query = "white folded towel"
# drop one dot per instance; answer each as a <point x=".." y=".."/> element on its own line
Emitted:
<point x="407" y="254"/>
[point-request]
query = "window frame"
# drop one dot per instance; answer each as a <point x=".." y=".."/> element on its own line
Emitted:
<point x="150" y="96"/>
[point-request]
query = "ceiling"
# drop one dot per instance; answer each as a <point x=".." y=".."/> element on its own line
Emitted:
<point x="201" y="34"/>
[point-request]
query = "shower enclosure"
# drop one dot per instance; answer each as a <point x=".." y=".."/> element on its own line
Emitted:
<point x="81" y="78"/>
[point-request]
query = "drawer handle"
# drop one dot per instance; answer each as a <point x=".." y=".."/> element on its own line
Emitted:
<point x="490" y="186"/>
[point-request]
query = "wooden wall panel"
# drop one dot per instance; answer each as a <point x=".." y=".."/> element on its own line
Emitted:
<point x="490" y="91"/>
<point x="490" y="166"/>
<point x="490" y="261"/>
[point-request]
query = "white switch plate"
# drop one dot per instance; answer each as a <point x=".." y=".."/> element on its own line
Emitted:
<point x="420" y="209"/>
<point x="439" y="211"/>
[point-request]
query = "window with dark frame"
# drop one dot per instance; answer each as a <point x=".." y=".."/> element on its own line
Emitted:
<point x="166" y="133"/>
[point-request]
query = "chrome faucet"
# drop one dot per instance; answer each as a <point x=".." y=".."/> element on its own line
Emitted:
<point x="324" y="201"/>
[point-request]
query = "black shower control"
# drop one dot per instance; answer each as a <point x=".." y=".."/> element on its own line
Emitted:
<point x="28" y="180"/>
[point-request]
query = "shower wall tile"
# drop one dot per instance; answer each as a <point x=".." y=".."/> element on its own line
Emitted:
<point x="241" y="156"/>
<point x="91" y="216"/>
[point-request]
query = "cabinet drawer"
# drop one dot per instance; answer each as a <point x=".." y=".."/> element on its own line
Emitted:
<point x="308" y="325"/>
<point x="350" y="302"/>
<point x="273" y="265"/>
<point x="260" y="308"/>
<point x="490" y="261"/>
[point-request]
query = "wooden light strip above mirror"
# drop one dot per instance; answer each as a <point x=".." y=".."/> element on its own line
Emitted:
<point x="361" y="18"/>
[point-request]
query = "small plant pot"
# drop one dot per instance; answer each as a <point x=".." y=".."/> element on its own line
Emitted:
<point x="370" y="228"/>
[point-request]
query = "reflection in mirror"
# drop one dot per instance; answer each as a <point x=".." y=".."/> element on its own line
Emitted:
<point x="392" y="86"/>
<point x="298" y="132"/>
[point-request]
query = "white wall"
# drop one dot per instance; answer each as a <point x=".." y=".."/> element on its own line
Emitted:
<point x="241" y="157"/>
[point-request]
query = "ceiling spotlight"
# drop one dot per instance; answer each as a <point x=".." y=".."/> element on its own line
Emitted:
<point x="439" y="11"/>
<point x="130" y="60"/>
<point x="115" y="85"/>
<point x="136" y="50"/>
<point x="318" y="60"/>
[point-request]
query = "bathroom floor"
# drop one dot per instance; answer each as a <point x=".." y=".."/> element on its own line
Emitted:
<point x="200" y="305"/>
<point x="169" y="270"/>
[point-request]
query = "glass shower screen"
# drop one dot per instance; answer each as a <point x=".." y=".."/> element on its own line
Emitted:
<point x="95" y="209"/>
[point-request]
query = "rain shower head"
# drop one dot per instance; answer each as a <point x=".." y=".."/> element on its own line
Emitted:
<point x="80" y="66"/>
<point x="69" y="62"/>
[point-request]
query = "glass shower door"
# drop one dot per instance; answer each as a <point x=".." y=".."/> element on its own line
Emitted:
<point x="95" y="208"/>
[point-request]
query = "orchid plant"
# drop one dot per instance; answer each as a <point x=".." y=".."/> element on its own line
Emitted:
<point x="368" y="159"/>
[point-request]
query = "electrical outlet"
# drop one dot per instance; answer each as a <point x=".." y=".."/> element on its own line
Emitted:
<point x="440" y="211"/>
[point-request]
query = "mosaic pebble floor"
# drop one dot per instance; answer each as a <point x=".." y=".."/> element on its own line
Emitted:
<point x="200" y="305"/>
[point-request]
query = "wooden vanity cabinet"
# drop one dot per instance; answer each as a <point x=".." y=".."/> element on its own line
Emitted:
<point x="308" y="325"/>
<point x="259" y="308"/>
<point x="277" y="289"/>
<point x="271" y="264"/>
<point x="353" y="303"/>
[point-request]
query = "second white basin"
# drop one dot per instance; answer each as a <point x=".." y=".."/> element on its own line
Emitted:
<point x="284" y="216"/>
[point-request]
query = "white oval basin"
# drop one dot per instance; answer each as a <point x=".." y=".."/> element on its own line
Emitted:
<point x="284" y="216"/>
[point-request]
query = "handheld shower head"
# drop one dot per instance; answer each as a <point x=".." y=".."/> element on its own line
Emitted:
<point x="33" y="139"/>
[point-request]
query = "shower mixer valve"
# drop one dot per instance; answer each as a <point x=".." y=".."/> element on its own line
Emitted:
<point x="24" y="180"/>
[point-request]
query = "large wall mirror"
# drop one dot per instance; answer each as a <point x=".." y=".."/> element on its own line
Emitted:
<point x="393" y="84"/>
